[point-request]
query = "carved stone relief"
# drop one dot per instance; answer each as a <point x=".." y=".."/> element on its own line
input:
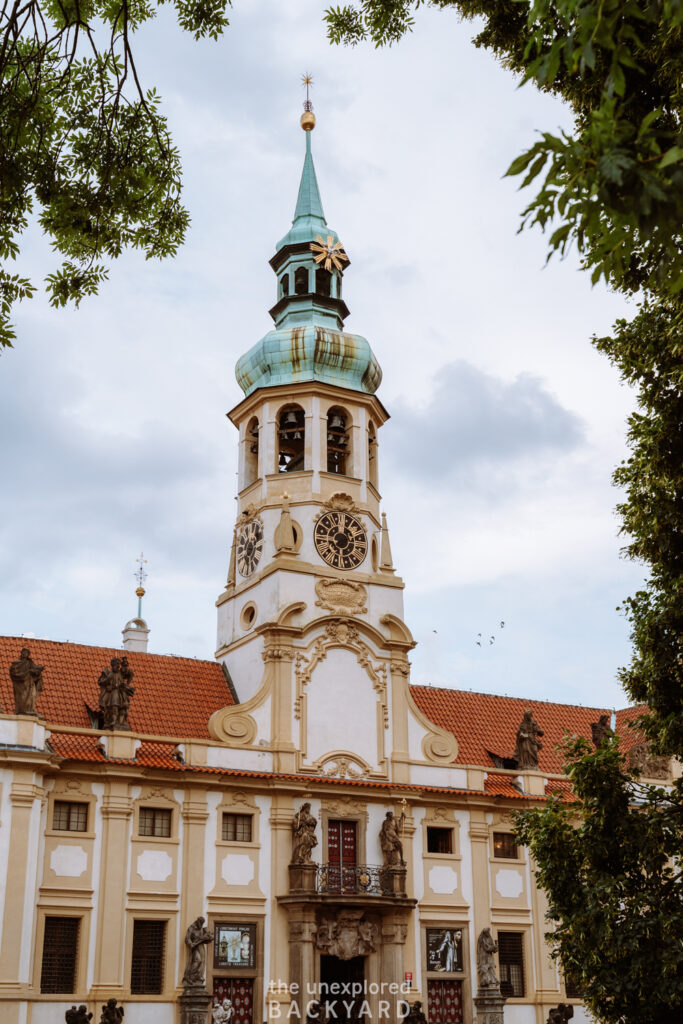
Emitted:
<point x="340" y="502"/>
<point x="346" y="934"/>
<point x="341" y="596"/>
<point x="652" y="766"/>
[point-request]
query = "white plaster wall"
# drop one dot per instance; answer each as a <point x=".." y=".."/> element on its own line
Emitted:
<point x="262" y="717"/>
<point x="375" y="818"/>
<point x="419" y="891"/>
<point x="229" y="757"/>
<point x="519" y="1013"/>
<point x="245" y="665"/>
<point x="148" y="1013"/>
<point x="582" y="1016"/>
<point x="438" y="775"/>
<point x="463" y="820"/>
<point x="416" y="733"/>
<point x="341" y="708"/>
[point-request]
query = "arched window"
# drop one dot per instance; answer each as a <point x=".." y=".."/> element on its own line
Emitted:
<point x="291" y="439"/>
<point x="301" y="281"/>
<point x="372" y="454"/>
<point x="251" y="453"/>
<point x="323" y="282"/>
<point x="284" y="285"/>
<point x="338" y="445"/>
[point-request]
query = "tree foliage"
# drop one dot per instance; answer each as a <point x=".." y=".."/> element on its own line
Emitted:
<point x="613" y="187"/>
<point x="83" y="147"/>
<point x="610" y="868"/>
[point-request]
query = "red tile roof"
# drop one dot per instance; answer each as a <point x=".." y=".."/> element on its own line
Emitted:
<point x="485" y="724"/>
<point x="173" y="696"/>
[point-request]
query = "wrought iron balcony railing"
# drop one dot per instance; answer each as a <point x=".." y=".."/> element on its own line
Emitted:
<point x="354" y="879"/>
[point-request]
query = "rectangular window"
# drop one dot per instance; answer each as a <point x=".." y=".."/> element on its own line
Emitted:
<point x="439" y="840"/>
<point x="68" y="816"/>
<point x="504" y="845"/>
<point x="511" y="960"/>
<point x="237" y="828"/>
<point x="155" y="821"/>
<point x="444" y="1002"/>
<point x="60" y="949"/>
<point x="147" y="967"/>
<point x="572" y="988"/>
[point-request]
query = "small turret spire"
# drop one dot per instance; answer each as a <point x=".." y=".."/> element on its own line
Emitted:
<point x="140" y="576"/>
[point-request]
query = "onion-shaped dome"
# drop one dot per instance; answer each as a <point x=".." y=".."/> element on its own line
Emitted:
<point x="291" y="355"/>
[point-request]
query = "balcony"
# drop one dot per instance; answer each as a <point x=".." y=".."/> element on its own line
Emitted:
<point x="347" y="881"/>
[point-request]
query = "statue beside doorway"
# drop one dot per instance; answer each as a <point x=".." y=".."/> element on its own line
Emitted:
<point x="303" y="835"/>
<point x="390" y="841"/>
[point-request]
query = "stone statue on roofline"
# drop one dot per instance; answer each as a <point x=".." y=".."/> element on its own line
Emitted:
<point x="600" y="731"/>
<point x="27" y="680"/>
<point x="528" y="743"/>
<point x="115" y="694"/>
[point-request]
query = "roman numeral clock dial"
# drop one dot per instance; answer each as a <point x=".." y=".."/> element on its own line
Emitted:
<point x="249" y="547"/>
<point x="340" y="540"/>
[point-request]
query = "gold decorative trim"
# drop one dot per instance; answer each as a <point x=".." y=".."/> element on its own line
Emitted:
<point x="340" y="502"/>
<point x="341" y="596"/>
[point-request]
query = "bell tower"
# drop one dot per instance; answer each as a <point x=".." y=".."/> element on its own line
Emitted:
<point x="310" y="623"/>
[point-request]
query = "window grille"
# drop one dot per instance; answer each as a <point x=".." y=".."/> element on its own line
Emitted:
<point x="439" y="840"/>
<point x="154" y="821"/>
<point x="237" y="828"/>
<point x="147" y="967"/>
<point x="60" y="950"/>
<point x="511" y="960"/>
<point x="504" y="845"/>
<point x="68" y="816"/>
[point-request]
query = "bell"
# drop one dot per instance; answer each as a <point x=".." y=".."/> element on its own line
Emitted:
<point x="337" y="422"/>
<point x="296" y="436"/>
<point x="254" y="432"/>
<point x="254" y="449"/>
<point x="290" y="420"/>
<point x="282" y="461"/>
<point x="331" y="438"/>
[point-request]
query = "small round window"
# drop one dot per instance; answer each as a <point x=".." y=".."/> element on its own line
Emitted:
<point x="248" y="616"/>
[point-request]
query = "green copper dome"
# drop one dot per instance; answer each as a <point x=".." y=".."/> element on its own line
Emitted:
<point x="308" y="342"/>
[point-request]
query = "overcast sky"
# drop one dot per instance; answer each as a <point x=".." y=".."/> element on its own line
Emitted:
<point x="495" y="466"/>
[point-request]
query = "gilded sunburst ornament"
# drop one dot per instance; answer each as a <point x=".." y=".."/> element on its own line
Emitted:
<point x="329" y="253"/>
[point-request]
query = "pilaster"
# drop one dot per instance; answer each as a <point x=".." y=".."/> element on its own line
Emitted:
<point x="117" y="809"/>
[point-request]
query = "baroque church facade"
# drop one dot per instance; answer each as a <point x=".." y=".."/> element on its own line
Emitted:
<point x="340" y="831"/>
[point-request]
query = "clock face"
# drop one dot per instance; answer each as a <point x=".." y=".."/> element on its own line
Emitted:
<point x="341" y="540"/>
<point x="249" y="547"/>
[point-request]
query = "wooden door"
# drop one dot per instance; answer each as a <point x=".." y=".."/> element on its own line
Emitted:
<point x="444" y="1002"/>
<point x="341" y="856"/>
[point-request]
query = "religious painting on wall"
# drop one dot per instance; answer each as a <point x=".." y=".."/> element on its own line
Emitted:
<point x="444" y="949"/>
<point x="234" y="944"/>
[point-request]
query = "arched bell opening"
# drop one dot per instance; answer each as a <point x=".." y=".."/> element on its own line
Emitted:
<point x="338" y="441"/>
<point x="301" y="281"/>
<point x="251" y="452"/>
<point x="372" y="454"/>
<point x="291" y="439"/>
<point x="284" y="286"/>
<point x="323" y="282"/>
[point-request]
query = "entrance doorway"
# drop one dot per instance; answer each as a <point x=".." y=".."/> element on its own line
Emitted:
<point x="339" y="1002"/>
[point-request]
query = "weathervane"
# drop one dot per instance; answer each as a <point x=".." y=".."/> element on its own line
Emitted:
<point x="307" y="80"/>
<point x="140" y="576"/>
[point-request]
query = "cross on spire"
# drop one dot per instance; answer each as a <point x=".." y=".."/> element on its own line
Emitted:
<point x="140" y="575"/>
<point x="307" y="80"/>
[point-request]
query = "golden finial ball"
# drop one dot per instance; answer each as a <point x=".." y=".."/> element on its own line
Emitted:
<point x="140" y="592"/>
<point x="308" y="120"/>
